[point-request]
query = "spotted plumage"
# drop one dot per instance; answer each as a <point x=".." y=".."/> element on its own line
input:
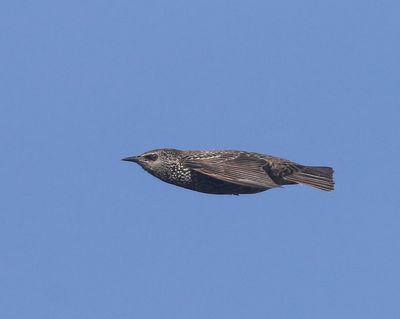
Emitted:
<point x="230" y="172"/>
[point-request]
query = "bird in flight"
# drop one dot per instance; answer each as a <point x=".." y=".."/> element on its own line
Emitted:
<point x="230" y="172"/>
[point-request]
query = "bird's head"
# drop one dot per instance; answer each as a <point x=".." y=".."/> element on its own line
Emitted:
<point x="155" y="161"/>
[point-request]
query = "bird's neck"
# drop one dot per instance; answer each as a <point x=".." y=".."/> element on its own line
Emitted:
<point x="175" y="172"/>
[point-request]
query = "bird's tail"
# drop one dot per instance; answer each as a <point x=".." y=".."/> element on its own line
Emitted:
<point x="315" y="176"/>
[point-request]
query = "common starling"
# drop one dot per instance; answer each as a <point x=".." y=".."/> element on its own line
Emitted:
<point x="230" y="172"/>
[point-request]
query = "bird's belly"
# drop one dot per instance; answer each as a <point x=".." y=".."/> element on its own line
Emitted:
<point x="206" y="184"/>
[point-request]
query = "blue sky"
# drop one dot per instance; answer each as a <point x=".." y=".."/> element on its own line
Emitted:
<point x="85" y="83"/>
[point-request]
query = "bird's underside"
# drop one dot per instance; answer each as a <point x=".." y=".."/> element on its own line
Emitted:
<point x="213" y="185"/>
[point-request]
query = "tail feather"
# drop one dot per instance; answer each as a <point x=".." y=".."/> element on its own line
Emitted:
<point x="315" y="176"/>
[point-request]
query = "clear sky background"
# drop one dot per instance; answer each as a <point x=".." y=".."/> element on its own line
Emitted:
<point x="85" y="83"/>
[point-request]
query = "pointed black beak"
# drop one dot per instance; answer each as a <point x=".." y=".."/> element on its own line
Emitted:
<point x="134" y="159"/>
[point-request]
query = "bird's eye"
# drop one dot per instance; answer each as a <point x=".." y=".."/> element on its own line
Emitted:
<point x="151" y="157"/>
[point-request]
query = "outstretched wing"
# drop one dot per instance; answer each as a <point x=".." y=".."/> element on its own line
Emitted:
<point x="238" y="168"/>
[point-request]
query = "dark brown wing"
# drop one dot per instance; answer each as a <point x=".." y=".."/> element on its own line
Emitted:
<point x="285" y="172"/>
<point x="234" y="167"/>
